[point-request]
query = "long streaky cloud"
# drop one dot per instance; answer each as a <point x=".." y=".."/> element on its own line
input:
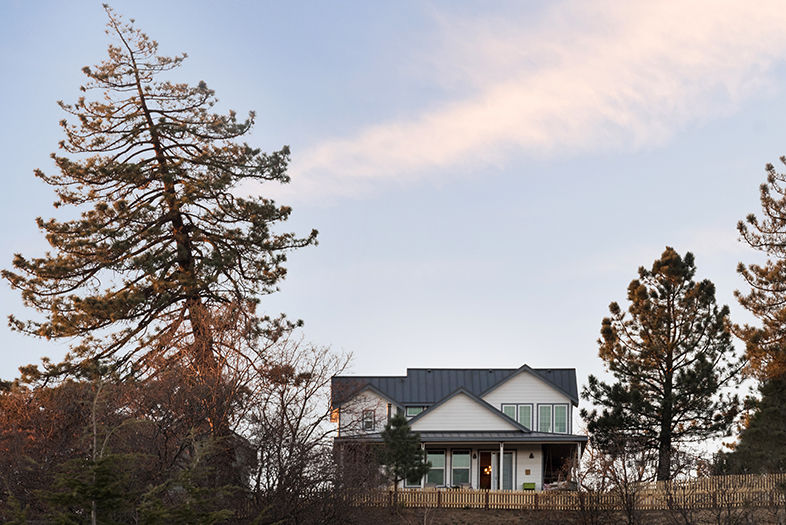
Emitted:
<point x="583" y="76"/>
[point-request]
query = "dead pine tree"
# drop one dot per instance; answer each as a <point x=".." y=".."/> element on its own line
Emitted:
<point x="161" y="238"/>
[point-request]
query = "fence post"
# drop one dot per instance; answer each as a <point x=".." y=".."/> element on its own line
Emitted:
<point x="439" y="498"/>
<point x="487" y="500"/>
<point x="536" y="501"/>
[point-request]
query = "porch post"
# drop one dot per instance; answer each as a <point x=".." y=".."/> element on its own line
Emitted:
<point x="501" y="462"/>
<point x="422" y="451"/>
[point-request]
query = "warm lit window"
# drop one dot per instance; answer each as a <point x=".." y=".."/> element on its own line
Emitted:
<point x="561" y="419"/>
<point x="414" y="411"/>
<point x="544" y="418"/>
<point x="525" y="415"/>
<point x="436" y="475"/>
<point x="368" y="420"/>
<point x="460" y="467"/>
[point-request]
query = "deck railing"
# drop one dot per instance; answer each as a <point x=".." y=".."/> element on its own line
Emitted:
<point x="710" y="492"/>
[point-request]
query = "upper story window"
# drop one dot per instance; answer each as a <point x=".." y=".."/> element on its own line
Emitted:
<point x="544" y="418"/>
<point x="509" y="410"/>
<point x="521" y="413"/>
<point x="367" y="421"/>
<point x="553" y="418"/>
<point x="414" y="411"/>
<point x="561" y="419"/>
<point x="525" y="415"/>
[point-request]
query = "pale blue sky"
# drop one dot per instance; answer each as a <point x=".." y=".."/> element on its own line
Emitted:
<point x="484" y="182"/>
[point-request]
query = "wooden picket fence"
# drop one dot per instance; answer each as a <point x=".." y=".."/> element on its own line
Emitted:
<point x="711" y="492"/>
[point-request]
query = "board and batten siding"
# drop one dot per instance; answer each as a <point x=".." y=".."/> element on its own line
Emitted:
<point x="526" y="388"/>
<point x="461" y="412"/>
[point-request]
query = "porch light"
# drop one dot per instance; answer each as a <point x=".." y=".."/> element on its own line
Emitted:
<point x="487" y="470"/>
<point x="531" y="455"/>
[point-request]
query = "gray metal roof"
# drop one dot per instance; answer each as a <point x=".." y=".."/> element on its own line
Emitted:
<point x="426" y="386"/>
<point x="510" y="436"/>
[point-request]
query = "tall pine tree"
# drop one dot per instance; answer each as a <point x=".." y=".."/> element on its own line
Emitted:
<point x="762" y="445"/>
<point x="670" y="355"/>
<point x="765" y="345"/>
<point x="162" y="239"/>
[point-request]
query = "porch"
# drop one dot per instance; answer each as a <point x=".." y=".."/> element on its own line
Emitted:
<point x="498" y="466"/>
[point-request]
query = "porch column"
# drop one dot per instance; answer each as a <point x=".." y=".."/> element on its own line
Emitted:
<point x="501" y="462"/>
<point x="423" y="451"/>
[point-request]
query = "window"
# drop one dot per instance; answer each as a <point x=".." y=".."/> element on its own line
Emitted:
<point x="412" y="484"/>
<point x="436" y="475"/>
<point x="414" y="411"/>
<point x="509" y="410"/>
<point x="525" y="415"/>
<point x="544" y="418"/>
<point x="561" y="419"/>
<point x="507" y="471"/>
<point x="460" y="464"/>
<point x="368" y="420"/>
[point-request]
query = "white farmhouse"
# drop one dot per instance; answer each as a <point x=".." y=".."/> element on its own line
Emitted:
<point x="469" y="419"/>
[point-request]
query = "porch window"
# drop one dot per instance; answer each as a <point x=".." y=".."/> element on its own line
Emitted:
<point x="507" y="471"/>
<point x="525" y="416"/>
<point x="544" y="418"/>
<point x="436" y="476"/>
<point x="460" y="464"/>
<point x="414" y="411"/>
<point x="561" y="419"/>
<point x="412" y="484"/>
<point x="368" y="420"/>
<point x="509" y="410"/>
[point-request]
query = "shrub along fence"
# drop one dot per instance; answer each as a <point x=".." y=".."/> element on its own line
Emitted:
<point x="711" y="492"/>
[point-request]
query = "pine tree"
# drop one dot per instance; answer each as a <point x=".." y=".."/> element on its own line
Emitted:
<point x="402" y="456"/>
<point x="670" y="355"/>
<point x="162" y="239"/>
<point x="762" y="442"/>
<point x="765" y="346"/>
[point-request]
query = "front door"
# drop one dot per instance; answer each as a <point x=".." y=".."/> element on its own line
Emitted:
<point x="488" y="470"/>
<point x="485" y="471"/>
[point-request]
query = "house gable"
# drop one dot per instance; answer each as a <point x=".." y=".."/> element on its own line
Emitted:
<point x="526" y="386"/>
<point x="462" y="411"/>
<point x="368" y="398"/>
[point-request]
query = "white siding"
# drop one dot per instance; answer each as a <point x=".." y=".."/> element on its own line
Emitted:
<point x="351" y="413"/>
<point x="461" y="412"/>
<point x="526" y="388"/>
<point x="535" y="466"/>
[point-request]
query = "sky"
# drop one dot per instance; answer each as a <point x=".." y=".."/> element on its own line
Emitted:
<point x="485" y="177"/>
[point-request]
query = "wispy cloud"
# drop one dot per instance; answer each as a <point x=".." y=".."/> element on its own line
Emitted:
<point x="582" y="76"/>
